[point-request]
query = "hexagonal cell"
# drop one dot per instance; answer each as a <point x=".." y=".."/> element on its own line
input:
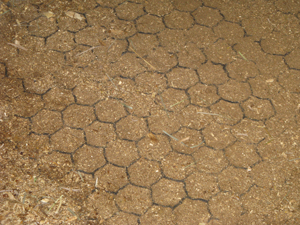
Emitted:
<point x="172" y="40"/>
<point x="42" y="27"/>
<point x="191" y="212"/>
<point x="140" y="40"/>
<point x="88" y="158"/>
<point x="122" y="218"/>
<point x="134" y="199"/>
<point x="121" y="153"/>
<point x="35" y="146"/>
<point x="26" y="105"/>
<point x="158" y="215"/>
<point x="182" y="78"/>
<point x="241" y="154"/>
<point x="212" y="74"/>
<point x="177" y="166"/>
<point x="195" y="117"/>
<point x="202" y="36"/>
<point x="161" y="121"/>
<point x="231" y="32"/>
<point x="111" y="178"/>
<point x="209" y="160"/>
<point x="65" y="43"/>
<point x="38" y="83"/>
<point x="141" y="104"/>
<point x="106" y="16"/>
<point x="167" y="192"/>
<point x="67" y="139"/>
<point x="227" y="113"/>
<point x="46" y="122"/>
<point x="16" y="129"/>
<point x="268" y="174"/>
<point x="144" y="172"/>
<point x="179" y="20"/>
<point x="220" y="52"/>
<point x="149" y="24"/>
<point x="252" y="50"/>
<point x="241" y="70"/>
<point x="188" y="5"/>
<point x="226" y="207"/>
<point x="58" y="99"/>
<point x="234" y="91"/>
<point x="103" y="203"/>
<point x="68" y="77"/>
<point x="99" y="134"/>
<point x="173" y="99"/>
<point x="290" y="80"/>
<point x="237" y="181"/>
<point x="259" y="198"/>
<point x="191" y="56"/>
<point x="154" y="149"/>
<point x="149" y="82"/>
<point x="264" y="88"/>
<point x="201" y="185"/>
<point x="129" y="11"/>
<point x="203" y="95"/>
<point x="277" y="43"/>
<point x="55" y="165"/>
<point x="68" y="22"/>
<point x="90" y="35"/>
<point x="110" y="110"/>
<point x="258" y="109"/>
<point x="131" y="128"/>
<point x="218" y="136"/>
<point x="292" y="59"/>
<point x="121" y="29"/>
<point x="112" y="52"/>
<point x="207" y="16"/>
<point x="10" y="87"/>
<point x="244" y="131"/>
<point x="159" y="8"/>
<point x="89" y="93"/>
<point x="109" y="3"/>
<point x="128" y="65"/>
<point x="188" y="141"/>
<point x="78" y="116"/>
<point x="160" y="60"/>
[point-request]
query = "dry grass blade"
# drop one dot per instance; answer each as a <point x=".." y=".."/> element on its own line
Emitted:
<point x="162" y="102"/>
<point x="243" y="56"/>
<point x="142" y="58"/>
<point x="171" y="136"/>
<point x="18" y="46"/>
<point x="212" y="114"/>
<point x="184" y="139"/>
<point x="88" y="50"/>
<point x="177" y="103"/>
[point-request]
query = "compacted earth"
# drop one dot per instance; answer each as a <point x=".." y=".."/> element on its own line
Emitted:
<point x="150" y="112"/>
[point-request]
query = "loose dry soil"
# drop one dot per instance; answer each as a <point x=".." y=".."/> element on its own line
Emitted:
<point x="150" y="112"/>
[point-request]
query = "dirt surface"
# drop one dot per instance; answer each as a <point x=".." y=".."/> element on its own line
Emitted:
<point x="150" y="112"/>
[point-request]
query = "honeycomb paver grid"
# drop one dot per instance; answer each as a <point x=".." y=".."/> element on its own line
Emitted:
<point x="178" y="120"/>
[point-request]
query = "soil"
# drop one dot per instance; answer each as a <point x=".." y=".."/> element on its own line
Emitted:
<point x="150" y="112"/>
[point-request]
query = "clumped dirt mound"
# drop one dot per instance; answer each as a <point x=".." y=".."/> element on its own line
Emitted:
<point x="149" y="112"/>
